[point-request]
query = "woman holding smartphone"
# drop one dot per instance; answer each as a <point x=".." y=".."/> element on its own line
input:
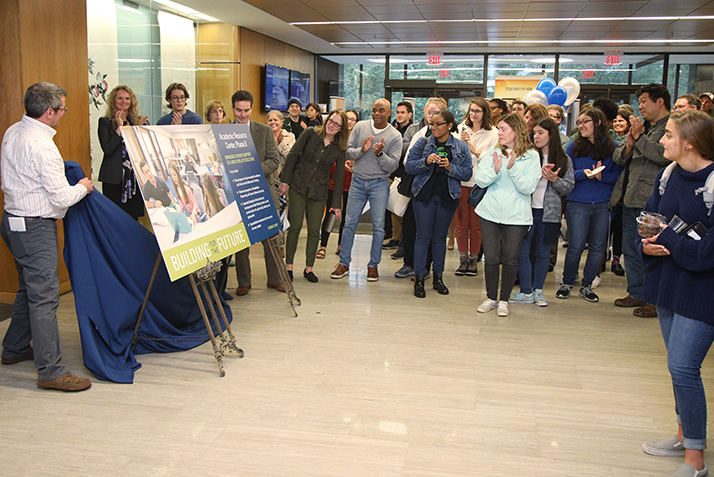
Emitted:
<point x="680" y="280"/>
<point x="546" y="205"/>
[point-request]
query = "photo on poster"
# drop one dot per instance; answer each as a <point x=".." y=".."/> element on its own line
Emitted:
<point x="189" y="195"/>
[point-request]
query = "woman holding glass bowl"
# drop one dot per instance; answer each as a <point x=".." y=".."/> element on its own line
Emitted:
<point x="679" y="280"/>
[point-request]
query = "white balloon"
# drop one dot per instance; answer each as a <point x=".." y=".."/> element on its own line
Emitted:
<point x="535" y="97"/>
<point x="572" y="86"/>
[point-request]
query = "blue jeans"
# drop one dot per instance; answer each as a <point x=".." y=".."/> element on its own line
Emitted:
<point x="543" y="234"/>
<point x="687" y="342"/>
<point x="432" y="226"/>
<point x="376" y="192"/>
<point x="34" y="314"/>
<point x="634" y="267"/>
<point x="587" y="223"/>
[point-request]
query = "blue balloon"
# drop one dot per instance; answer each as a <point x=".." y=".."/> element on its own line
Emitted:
<point x="546" y="85"/>
<point x="557" y="95"/>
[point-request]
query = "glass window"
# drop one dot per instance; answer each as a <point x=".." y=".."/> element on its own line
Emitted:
<point x="517" y="65"/>
<point x="450" y="69"/>
<point x="362" y="81"/>
<point x="695" y="74"/>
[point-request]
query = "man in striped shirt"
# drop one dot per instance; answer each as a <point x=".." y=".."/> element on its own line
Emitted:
<point x="36" y="195"/>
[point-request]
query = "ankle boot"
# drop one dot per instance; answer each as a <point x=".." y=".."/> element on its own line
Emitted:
<point x="419" y="291"/>
<point x="439" y="285"/>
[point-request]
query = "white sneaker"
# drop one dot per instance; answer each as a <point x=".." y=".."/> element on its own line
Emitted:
<point x="503" y="308"/>
<point x="596" y="282"/>
<point x="520" y="297"/>
<point x="487" y="306"/>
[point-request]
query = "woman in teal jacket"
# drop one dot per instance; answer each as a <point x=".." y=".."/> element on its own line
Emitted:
<point x="511" y="172"/>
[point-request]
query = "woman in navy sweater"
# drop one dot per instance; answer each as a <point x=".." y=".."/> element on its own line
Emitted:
<point x="587" y="212"/>
<point x="679" y="280"/>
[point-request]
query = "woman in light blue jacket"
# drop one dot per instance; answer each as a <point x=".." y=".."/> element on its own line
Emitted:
<point x="511" y="172"/>
<point x="438" y="163"/>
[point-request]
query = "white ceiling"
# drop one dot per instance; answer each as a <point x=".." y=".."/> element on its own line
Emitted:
<point x="475" y="26"/>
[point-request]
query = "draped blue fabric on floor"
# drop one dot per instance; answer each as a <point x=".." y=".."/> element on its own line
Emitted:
<point x="110" y="258"/>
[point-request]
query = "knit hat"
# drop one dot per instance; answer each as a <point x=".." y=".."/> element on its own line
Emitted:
<point x="298" y="102"/>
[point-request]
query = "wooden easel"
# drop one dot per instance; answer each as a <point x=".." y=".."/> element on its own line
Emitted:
<point x="225" y="341"/>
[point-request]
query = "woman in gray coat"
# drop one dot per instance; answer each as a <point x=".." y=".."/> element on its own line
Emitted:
<point x="546" y="203"/>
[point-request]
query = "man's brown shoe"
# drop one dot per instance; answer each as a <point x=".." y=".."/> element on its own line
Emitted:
<point x="280" y="288"/>
<point x="629" y="302"/>
<point x="67" y="382"/>
<point x="647" y="311"/>
<point x="340" y="271"/>
<point x="18" y="359"/>
<point x="372" y="274"/>
<point x="240" y="291"/>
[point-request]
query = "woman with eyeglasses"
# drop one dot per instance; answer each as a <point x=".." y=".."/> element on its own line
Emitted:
<point x="176" y="97"/>
<point x="439" y="164"/>
<point x="116" y="173"/>
<point x="510" y="171"/>
<point x="352" y="118"/>
<point x="587" y="211"/>
<point x="306" y="180"/>
<point x="546" y="205"/>
<point x="680" y="280"/>
<point x="478" y="133"/>
<point x="215" y="112"/>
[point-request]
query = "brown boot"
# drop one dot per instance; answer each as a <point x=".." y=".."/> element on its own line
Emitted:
<point x="646" y="311"/>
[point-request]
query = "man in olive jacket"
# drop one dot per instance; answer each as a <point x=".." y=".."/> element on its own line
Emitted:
<point x="641" y="156"/>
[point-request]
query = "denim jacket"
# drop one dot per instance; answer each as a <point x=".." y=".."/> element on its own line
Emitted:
<point x="461" y="166"/>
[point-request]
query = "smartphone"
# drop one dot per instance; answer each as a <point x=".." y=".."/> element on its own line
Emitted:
<point x="696" y="231"/>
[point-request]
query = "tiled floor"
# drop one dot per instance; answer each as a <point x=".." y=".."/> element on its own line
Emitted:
<point x="368" y="380"/>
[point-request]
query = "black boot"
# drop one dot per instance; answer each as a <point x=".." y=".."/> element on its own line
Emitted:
<point x="439" y="285"/>
<point x="419" y="291"/>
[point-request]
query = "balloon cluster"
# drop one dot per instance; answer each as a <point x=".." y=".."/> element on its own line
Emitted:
<point x="547" y="92"/>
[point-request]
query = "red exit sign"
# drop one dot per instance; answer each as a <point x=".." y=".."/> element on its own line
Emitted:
<point x="443" y="73"/>
<point x="612" y="60"/>
<point x="588" y="74"/>
<point x="435" y="60"/>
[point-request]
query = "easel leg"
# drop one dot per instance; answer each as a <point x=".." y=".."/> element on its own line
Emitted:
<point x="231" y="339"/>
<point x="274" y="243"/>
<point x="216" y="350"/>
<point x="146" y="302"/>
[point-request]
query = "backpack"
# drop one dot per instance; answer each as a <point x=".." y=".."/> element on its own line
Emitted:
<point x="707" y="190"/>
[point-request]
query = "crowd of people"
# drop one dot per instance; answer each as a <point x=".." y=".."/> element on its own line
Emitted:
<point x="510" y="177"/>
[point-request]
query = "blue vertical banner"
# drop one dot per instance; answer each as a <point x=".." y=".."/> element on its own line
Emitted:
<point x="246" y="181"/>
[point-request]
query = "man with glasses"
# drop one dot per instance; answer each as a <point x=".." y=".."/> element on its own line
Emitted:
<point x="36" y="195"/>
<point x="176" y="97"/>
<point x="687" y="102"/>
<point x="642" y="157"/>
<point x="375" y="146"/>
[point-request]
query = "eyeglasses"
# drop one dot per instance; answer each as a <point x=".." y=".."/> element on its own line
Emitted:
<point x="436" y="125"/>
<point x="475" y="111"/>
<point x="494" y="107"/>
<point x="351" y="120"/>
<point x="64" y="110"/>
<point x="178" y="98"/>
<point x="333" y="123"/>
<point x="583" y="122"/>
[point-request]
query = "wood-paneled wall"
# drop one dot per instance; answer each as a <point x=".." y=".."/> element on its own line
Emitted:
<point x="256" y="50"/>
<point x="44" y="41"/>
<point x="218" y="57"/>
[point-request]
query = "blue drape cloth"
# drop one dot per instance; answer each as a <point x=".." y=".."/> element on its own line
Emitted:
<point x="110" y="258"/>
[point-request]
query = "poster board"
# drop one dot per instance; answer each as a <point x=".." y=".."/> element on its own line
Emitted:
<point x="515" y="87"/>
<point x="204" y="190"/>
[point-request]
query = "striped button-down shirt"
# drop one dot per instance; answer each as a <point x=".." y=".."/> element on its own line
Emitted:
<point x="32" y="172"/>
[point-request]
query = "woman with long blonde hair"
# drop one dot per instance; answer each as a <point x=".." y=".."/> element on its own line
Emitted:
<point x="116" y="174"/>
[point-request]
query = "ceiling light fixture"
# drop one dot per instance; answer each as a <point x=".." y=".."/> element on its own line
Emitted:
<point x="518" y="42"/>
<point x="505" y="20"/>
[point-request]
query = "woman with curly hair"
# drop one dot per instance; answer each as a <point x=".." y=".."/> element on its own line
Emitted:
<point x="116" y="174"/>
